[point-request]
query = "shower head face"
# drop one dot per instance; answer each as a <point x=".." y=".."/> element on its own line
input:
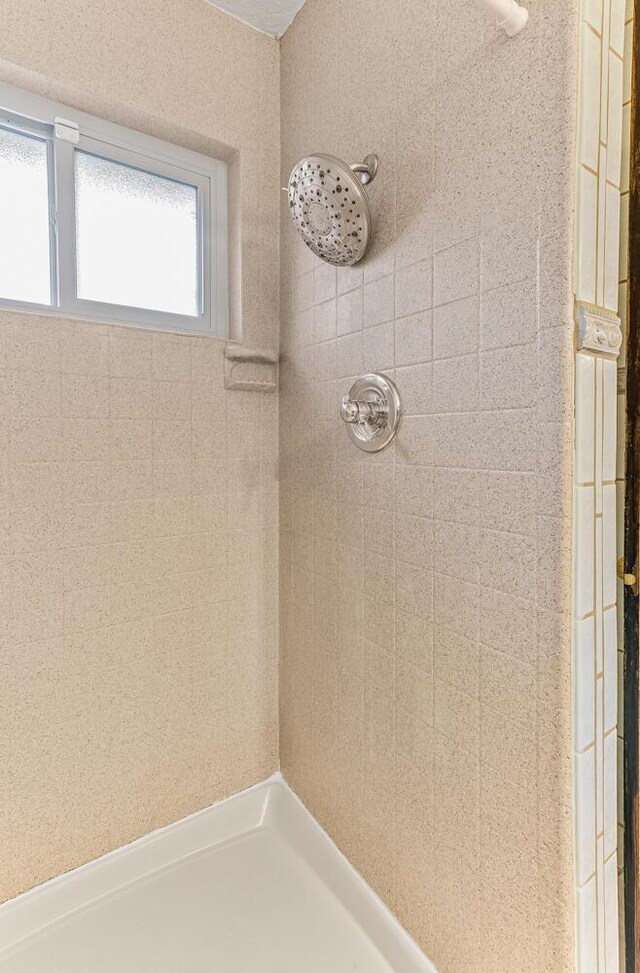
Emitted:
<point x="330" y="209"/>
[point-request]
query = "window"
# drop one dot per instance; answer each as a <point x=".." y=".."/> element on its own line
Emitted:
<point x="25" y="244"/>
<point x="102" y="222"/>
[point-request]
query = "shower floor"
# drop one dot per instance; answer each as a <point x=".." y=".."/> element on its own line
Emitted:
<point x="276" y="897"/>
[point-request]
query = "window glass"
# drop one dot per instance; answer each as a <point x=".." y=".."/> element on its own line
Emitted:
<point x="136" y="237"/>
<point x="25" y="257"/>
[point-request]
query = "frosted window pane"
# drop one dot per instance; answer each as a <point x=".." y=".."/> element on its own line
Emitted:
<point x="24" y="218"/>
<point x="137" y="237"/>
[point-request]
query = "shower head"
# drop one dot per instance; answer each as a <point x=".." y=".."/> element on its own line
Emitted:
<point x="330" y="209"/>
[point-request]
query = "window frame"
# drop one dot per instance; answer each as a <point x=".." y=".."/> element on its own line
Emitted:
<point x="34" y="116"/>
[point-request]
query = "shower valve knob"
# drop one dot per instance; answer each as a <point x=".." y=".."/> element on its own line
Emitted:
<point x="374" y="412"/>
<point x="371" y="411"/>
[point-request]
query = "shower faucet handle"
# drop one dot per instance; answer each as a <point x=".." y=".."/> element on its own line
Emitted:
<point x="374" y="412"/>
<point x="371" y="411"/>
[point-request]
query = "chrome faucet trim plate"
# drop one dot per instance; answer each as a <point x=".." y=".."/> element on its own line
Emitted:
<point x="371" y="411"/>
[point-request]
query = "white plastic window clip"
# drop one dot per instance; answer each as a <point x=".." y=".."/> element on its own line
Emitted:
<point x="66" y="131"/>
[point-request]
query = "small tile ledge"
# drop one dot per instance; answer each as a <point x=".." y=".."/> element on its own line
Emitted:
<point x="250" y="369"/>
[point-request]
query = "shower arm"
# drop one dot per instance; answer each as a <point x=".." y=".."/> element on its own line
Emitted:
<point x="366" y="171"/>
<point x="510" y="16"/>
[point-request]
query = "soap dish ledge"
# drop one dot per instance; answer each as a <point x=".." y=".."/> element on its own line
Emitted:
<point x="250" y="369"/>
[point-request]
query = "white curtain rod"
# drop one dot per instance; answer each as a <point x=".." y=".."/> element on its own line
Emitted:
<point x="510" y="16"/>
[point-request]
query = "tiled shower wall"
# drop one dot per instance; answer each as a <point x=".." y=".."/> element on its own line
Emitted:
<point x="425" y="591"/>
<point x="604" y="85"/>
<point x="138" y="499"/>
<point x="623" y="297"/>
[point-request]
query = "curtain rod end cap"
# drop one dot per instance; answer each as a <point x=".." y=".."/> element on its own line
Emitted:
<point x="516" y="20"/>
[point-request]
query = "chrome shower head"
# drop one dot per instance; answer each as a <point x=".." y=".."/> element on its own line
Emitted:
<point x="330" y="209"/>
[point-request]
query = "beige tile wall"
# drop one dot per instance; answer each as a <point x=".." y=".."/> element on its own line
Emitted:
<point x="138" y="500"/>
<point x="621" y="443"/>
<point x="600" y="266"/>
<point x="425" y="591"/>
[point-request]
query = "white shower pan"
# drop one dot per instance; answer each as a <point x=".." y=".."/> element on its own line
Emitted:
<point x="251" y="885"/>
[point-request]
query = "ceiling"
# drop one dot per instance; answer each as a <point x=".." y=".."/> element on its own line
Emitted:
<point x="270" y="16"/>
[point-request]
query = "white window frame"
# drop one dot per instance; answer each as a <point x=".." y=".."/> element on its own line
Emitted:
<point x="66" y="130"/>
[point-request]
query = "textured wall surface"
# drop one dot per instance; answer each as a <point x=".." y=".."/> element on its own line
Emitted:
<point x="425" y="591"/>
<point x="138" y="500"/>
